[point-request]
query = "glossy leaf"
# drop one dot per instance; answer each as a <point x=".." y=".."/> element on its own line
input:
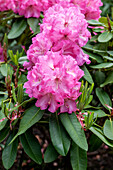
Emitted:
<point x="105" y="37"/>
<point x="31" y="146"/>
<point x="59" y="137"/>
<point x="33" y="23"/>
<point x="78" y="157"/>
<point x="99" y="77"/>
<point x="3" y="133"/>
<point x="102" y="65"/>
<point x="94" y="57"/>
<point x="50" y="154"/>
<point x="108" y="58"/>
<point x="94" y="22"/>
<point x="87" y="75"/>
<point x="31" y="116"/>
<point x="95" y="143"/>
<point x="103" y="97"/>
<point x="98" y="113"/>
<point x="9" y="153"/>
<point x="2" y="123"/>
<point x="17" y="29"/>
<point x="98" y="132"/>
<point x="74" y="129"/>
<point x="108" y="129"/>
<point x="108" y="80"/>
<point x="4" y="69"/>
<point x="110" y="53"/>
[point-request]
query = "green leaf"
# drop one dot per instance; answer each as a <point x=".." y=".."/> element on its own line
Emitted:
<point x="97" y="29"/>
<point x="59" y="137"/>
<point x="22" y="79"/>
<point x="17" y="28"/>
<point x="108" y="58"/>
<point x="94" y="57"/>
<point x="94" y="22"/>
<point x="103" y="97"/>
<point x="92" y="48"/>
<point x="31" y="116"/>
<point x="102" y="65"/>
<point x="4" y="69"/>
<point x="9" y="153"/>
<point x="105" y="37"/>
<point x="20" y="94"/>
<point x="78" y="157"/>
<point x="108" y="129"/>
<point x="3" y="123"/>
<point x="98" y="113"/>
<point x="74" y="129"/>
<point x="110" y="53"/>
<point x="95" y="143"/>
<point x="31" y="146"/>
<point x="3" y="133"/>
<point x="50" y="154"/>
<point x="99" y="77"/>
<point x="33" y="23"/>
<point x="87" y="75"/>
<point x="98" y="132"/>
<point x="108" y="80"/>
<point x="22" y="59"/>
<point x="104" y="20"/>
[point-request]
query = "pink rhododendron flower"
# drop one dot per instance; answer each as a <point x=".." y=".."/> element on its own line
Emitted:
<point x="4" y="5"/>
<point x="30" y="8"/>
<point x="67" y="47"/>
<point x="65" y="23"/>
<point x="41" y="44"/>
<point x="90" y="8"/>
<point x="54" y="82"/>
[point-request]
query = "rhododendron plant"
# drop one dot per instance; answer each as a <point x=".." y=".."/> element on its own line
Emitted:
<point x="52" y="55"/>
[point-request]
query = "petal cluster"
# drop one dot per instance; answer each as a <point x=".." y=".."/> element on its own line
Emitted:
<point x="53" y="81"/>
<point x="32" y="8"/>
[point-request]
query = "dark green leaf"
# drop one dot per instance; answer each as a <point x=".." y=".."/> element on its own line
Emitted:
<point x="17" y="29"/>
<point x="95" y="143"/>
<point x="22" y="79"/>
<point x="78" y="157"/>
<point x="98" y="113"/>
<point x="87" y="75"/>
<point x="103" y="97"/>
<point x="9" y="153"/>
<point x="94" y="57"/>
<point x="31" y="116"/>
<point x="3" y="123"/>
<point x="108" y="129"/>
<point x="108" y="80"/>
<point x="50" y="154"/>
<point x="98" y="132"/>
<point x="33" y="23"/>
<point x="59" y="137"/>
<point x="3" y="134"/>
<point x="74" y="129"/>
<point x="102" y="65"/>
<point x="99" y="77"/>
<point x="105" y="37"/>
<point x="31" y="146"/>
